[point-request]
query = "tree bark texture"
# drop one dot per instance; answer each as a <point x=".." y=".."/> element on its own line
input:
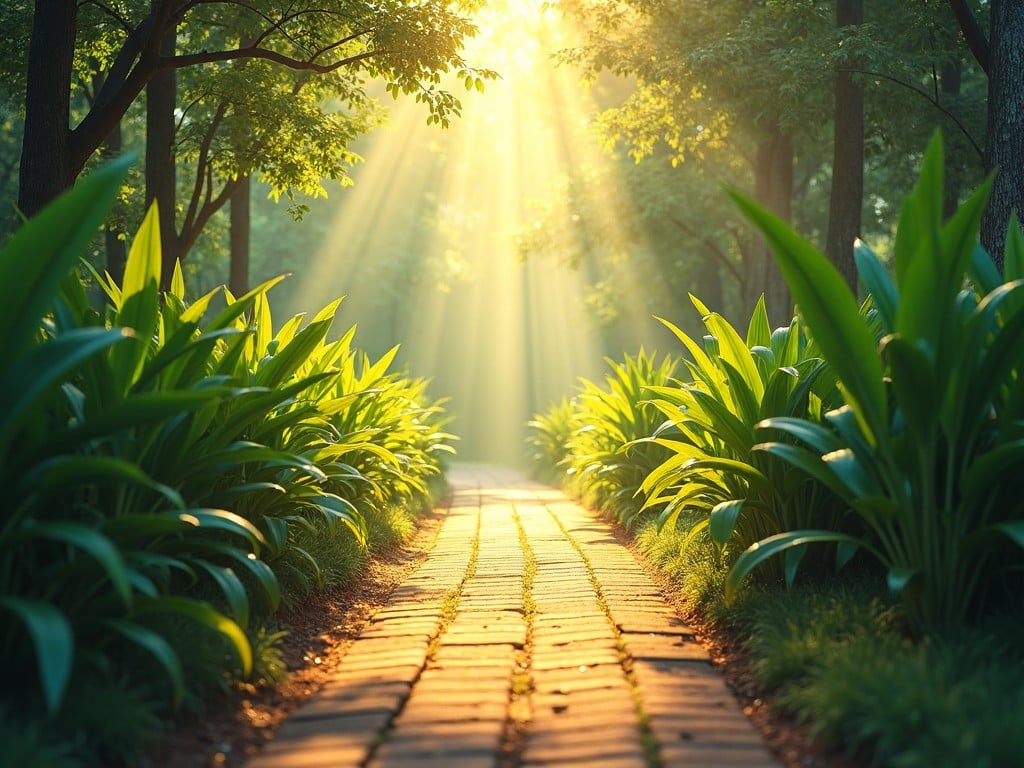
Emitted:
<point x="241" y="220"/>
<point x="161" y="174"/>
<point x="45" y="155"/>
<point x="846" y="200"/>
<point x="773" y="184"/>
<point x="1004" y="149"/>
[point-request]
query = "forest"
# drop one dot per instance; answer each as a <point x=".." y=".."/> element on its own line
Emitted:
<point x="267" y="266"/>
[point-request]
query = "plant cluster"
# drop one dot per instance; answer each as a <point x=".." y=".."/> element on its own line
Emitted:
<point x="593" y="442"/>
<point x="173" y="473"/>
<point x="889" y="428"/>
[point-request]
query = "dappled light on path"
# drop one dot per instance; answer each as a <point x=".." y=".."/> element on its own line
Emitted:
<point x="424" y="244"/>
<point x="530" y="636"/>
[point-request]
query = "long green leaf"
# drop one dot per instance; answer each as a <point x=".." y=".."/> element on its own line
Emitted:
<point x="140" y="299"/>
<point x="158" y="648"/>
<point x="759" y="552"/>
<point x="207" y="616"/>
<point x="877" y="280"/>
<point x="52" y="641"/>
<point x="723" y="519"/>
<point x="89" y="540"/>
<point x="28" y="382"/>
<point x="833" y="315"/>
<point x="41" y="253"/>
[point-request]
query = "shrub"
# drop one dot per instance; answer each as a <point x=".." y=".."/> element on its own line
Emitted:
<point x="928" y="450"/>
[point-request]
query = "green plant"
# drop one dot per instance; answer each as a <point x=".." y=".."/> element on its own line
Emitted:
<point x="163" y="463"/>
<point x="606" y="463"/>
<point x="548" y="441"/>
<point x="734" y="383"/>
<point x="928" y="449"/>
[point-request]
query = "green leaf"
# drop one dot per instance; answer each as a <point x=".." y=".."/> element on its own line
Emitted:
<point x="852" y="472"/>
<point x="232" y="589"/>
<point x="914" y="384"/>
<point x="158" y="648"/>
<point x="40" y="254"/>
<point x="734" y="351"/>
<point x="82" y="537"/>
<point x="759" y="331"/>
<point x="878" y="283"/>
<point x="723" y="519"/>
<point x="204" y="614"/>
<point x="223" y="520"/>
<point x="898" y="577"/>
<point x="818" y="437"/>
<point x="759" y="552"/>
<point x="1014" y="252"/>
<point x="178" y="281"/>
<point x="833" y="315"/>
<point x="30" y="380"/>
<point x="52" y="641"/>
<point x="140" y="299"/>
<point x="810" y="463"/>
<point x="793" y="557"/>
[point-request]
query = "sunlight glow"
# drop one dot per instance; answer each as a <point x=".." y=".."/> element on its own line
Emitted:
<point x="423" y="244"/>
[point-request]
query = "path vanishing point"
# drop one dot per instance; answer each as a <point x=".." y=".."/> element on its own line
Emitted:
<point x="529" y="637"/>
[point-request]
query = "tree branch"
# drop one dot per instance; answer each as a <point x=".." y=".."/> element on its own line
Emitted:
<point x="924" y="95"/>
<point x="711" y="245"/>
<point x="973" y="33"/>
<point x="201" y="168"/>
<point x="208" y="57"/>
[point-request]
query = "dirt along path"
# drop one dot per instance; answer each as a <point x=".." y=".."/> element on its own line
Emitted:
<point x="529" y="637"/>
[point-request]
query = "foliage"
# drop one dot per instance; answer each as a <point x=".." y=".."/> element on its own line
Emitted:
<point x="600" y="459"/>
<point x="734" y="383"/>
<point x="835" y="657"/>
<point x="164" y="463"/>
<point x="548" y="440"/>
<point x="927" y="449"/>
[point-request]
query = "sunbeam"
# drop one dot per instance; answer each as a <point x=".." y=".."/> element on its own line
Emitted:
<point x="424" y="246"/>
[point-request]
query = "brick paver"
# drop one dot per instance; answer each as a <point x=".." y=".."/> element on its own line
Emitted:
<point x="529" y="637"/>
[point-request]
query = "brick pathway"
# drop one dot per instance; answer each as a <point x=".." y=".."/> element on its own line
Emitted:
<point x="528" y="637"/>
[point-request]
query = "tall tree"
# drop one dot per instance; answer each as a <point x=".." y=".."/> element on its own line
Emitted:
<point x="241" y="222"/>
<point x="406" y="42"/>
<point x="1004" y="146"/>
<point x="46" y="155"/>
<point x="1001" y="56"/>
<point x="161" y="168"/>
<point x="847" y="198"/>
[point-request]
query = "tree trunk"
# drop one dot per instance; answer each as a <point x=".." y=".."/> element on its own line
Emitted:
<point x="161" y="176"/>
<point x="241" y="222"/>
<point x="951" y="80"/>
<point x="846" y="200"/>
<point x="113" y="236"/>
<point x="113" y="240"/>
<point x="773" y="182"/>
<point x="45" y="150"/>
<point x="1004" y="147"/>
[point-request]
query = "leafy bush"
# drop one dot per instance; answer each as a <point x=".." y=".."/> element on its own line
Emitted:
<point x="928" y="450"/>
<point x="740" y="495"/>
<point x="163" y="465"/>
<point x="548" y="441"/>
<point x="594" y="439"/>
